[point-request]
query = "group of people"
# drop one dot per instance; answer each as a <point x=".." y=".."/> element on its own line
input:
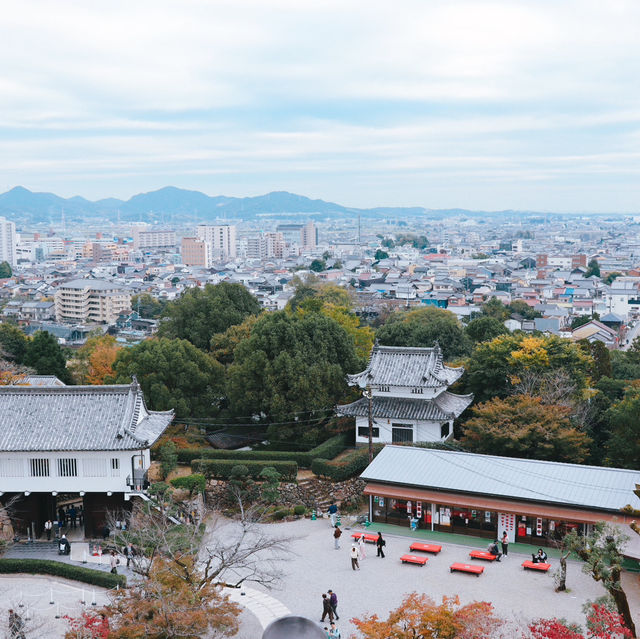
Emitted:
<point x="330" y="609"/>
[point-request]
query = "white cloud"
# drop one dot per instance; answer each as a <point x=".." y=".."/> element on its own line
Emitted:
<point x="302" y="93"/>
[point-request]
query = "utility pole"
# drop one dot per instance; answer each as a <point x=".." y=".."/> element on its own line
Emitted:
<point x="369" y="395"/>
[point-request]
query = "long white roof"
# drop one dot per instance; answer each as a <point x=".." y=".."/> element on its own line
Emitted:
<point x="595" y="487"/>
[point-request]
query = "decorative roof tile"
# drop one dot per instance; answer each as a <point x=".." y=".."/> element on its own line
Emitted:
<point x="406" y="366"/>
<point x="60" y="418"/>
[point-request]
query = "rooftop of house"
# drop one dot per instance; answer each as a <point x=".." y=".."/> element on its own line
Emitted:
<point x="406" y="366"/>
<point x="78" y="418"/>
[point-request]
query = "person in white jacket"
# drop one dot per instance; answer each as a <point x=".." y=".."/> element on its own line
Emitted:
<point x="363" y="553"/>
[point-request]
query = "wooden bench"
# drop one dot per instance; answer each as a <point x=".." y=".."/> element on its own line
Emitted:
<point x="474" y="570"/>
<point x="482" y="554"/>
<point x="535" y="566"/>
<point x="414" y="559"/>
<point x="426" y="547"/>
<point x="370" y="537"/>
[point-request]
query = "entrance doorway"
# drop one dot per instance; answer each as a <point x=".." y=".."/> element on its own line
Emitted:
<point x="69" y="515"/>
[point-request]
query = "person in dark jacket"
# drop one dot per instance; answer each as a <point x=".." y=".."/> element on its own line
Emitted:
<point x="380" y="543"/>
<point x="326" y="608"/>
<point x="333" y="600"/>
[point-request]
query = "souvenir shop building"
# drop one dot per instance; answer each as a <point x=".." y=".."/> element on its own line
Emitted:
<point x="483" y="495"/>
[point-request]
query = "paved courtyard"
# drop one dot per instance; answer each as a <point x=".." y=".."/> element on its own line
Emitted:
<point x="381" y="583"/>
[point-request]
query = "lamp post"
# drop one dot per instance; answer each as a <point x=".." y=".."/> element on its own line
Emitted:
<point x="369" y="395"/>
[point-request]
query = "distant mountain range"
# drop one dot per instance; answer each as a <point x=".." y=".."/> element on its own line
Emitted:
<point x="171" y="205"/>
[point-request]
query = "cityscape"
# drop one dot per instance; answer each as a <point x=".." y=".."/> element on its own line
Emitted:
<point x="320" y="321"/>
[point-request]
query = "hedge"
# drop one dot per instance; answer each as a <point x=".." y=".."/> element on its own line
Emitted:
<point x="350" y="466"/>
<point x="221" y="468"/>
<point x="60" y="569"/>
<point x="192" y="483"/>
<point x="329" y="449"/>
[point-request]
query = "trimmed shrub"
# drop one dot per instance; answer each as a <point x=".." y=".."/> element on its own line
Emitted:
<point x="60" y="569"/>
<point x="299" y="510"/>
<point x="280" y="514"/>
<point x="192" y="483"/>
<point x="350" y="466"/>
<point x="327" y="450"/>
<point x="221" y="468"/>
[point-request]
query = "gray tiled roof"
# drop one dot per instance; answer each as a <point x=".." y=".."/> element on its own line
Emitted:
<point x="443" y="408"/>
<point x="50" y="418"/>
<point x="528" y="479"/>
<point x="406" y="366"/>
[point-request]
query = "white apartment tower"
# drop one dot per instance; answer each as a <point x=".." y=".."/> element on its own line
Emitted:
<point x="7" y="241"/>
<point x="146" y="236"/>
<point x="220" y="238"/>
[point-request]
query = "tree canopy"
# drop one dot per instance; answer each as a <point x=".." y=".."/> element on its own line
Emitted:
<point x="45" y="356"/>
<point x="318" y="265"/>
<point x="593" y="268"/>
<point x="93" y="362"/>
<point x="201" y="313"/>
<point x="523" y="426"/>
<point x="623" y="446"/>
<point x="291" y="363"/>
<point x="13" y="343"/>
<point x="147" y="306"/>
<point x="424" y="327"/>
<point x="485" y="328"/>
<point x="173" y="373"/>
<point x="495" y="368"/>
<point x="5" y="270"/>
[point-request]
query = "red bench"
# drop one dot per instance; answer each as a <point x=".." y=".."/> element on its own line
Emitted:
<point x="414" y="559"/>
<point x="482" y="554"/>
<point x="474" y="570"/>
<point x="370" y="537"/>
<point x="426" y="547"/>
<point x="536" y="566"/>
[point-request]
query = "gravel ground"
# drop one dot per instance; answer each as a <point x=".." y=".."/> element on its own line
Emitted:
<point x="381" y="583"/>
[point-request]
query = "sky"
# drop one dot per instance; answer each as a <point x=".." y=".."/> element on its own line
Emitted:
<point x="528" y="105"/>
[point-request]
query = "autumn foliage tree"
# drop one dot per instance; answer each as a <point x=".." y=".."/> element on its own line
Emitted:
<point x="419" y="617"/>
<point x="523" y="426"/>
<point x="173" y="603"/>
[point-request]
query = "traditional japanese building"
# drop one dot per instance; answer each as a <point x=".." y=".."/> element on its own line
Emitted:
<point x="409" y="397"/>
<point x="81" y="445"/>
<point x="533" y="501"/>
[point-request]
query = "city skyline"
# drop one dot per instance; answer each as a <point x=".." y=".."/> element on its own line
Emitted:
<point x="504" y="105"/>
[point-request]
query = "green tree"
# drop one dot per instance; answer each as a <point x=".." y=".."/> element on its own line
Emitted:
<point x="290" y="364"/>
<point x="174" y="374"/>
<point x="580" y="320"/>
<point x="593" y="268"/>
<point x="494" y="307"/>
<point x="270" y="488"/>
<point x="147" y="306"/>
<point x="519" y="307"/>
<point x="13" y="343"/>
<point x="602" y="553"/>
<point x="623" y="446"/>
<point x="5" y="270"/>
<point x="223" y="345"/>
<point x="522" y="426"/>
<point x="381" y="255"/>
<point x="610" y="277"/>
<point x="424" y="327"/>
<point x="484" y="329"/>
<point x="318" y="265"/>
<point x="495" y="368"/>
<point x="201" y="313"/>
<point x="168" y="458"/>
<point x="45" y="356"/>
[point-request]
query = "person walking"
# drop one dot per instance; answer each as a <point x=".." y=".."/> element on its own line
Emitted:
<point x="333" y="600"/>
<point x="48" y="527"/>
<point x="334" y="633"/>
<point x="73" y="516"/>
<point x="16" y="625"/>
<point x="363" y="553"/>
<point x="380" y="543"/>
<point x="505" y="544"/>
<point x="326" y="608"/>
<point x="337" y="533"/>
<point x="354" y="558"/>
<point x="128" y="553"/>
<point x="333" y="513"/>
<point x="113" y="562"/>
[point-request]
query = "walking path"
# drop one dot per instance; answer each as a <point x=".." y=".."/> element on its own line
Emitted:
<point x="265" y="607"/>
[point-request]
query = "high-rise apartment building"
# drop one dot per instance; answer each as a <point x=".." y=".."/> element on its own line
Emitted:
<point x="7" y="241"/>
<point x="146" y="236"/>
<point x="91" y="301"/>
<point x="220" y="238"/>
<point x="304" y="236"/>
<point x="195" y="252"/>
